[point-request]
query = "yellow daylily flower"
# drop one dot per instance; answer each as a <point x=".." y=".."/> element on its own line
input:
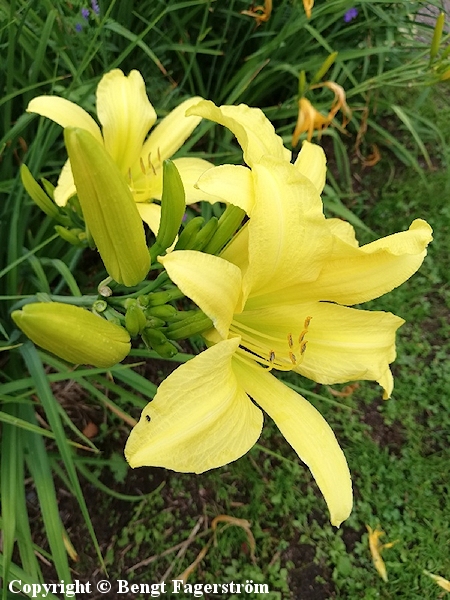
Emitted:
<point x="126" y="116"/>
<point x="308" y="5"/>
<point x="275" y="304"/>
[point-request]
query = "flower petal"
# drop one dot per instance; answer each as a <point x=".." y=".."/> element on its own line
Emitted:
<point x="307" y="432"/>
<point x="150" y="214"/>
<point x="170" y="134"/>
<point x="253" y="130"/>
<point x="200" y="418"/>
<point x="65" y="113"/>
<point x="213" y="283"/>
<point x="311" y="162"/>
<point x="66" y="185"/>
<point x="288" y="237"/>
<point x="347" y="344"/>
<point x="190" y="170"/>
<point x="232" y="184"/>
<point x="353" y="275"/>
<point x="126" y="116"/>
<point x="342" y="344"/>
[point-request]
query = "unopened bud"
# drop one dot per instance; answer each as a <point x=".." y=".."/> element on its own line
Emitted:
<point x="108" y="207"/>
<point x="73" y="333"/>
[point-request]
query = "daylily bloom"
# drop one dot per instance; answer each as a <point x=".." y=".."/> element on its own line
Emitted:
<point x="276" y="297"/>
<point x="126" y="116"/>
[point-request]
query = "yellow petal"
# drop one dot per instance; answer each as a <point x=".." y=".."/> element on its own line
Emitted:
<point x="311" y="162"/>
<point x="150" y="214"/>
<point x="307" y="432"/>
<point x="190" y="170"/>
<point x="170" y="134"/>
<point x="65" y="113"/>
<point x="66" y="185"/>
<point x="200" y="418"/>
<point x="353" y="275"/>
<point x="126" y="116"/>
<point x="254" y="132"/>
<point x="346" y="344"/>
<point x="211" y="282"/>
<point x="288" y="238"/>
<point x="232" y="184"/>
<point x="343" y="230"/>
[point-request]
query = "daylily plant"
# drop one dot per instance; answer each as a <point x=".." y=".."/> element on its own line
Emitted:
<point x="126" y="116"/>
<point x="277" y="298"/>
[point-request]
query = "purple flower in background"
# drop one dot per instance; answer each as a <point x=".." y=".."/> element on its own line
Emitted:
<point x="85" y="13"/>
<point x="351" y="14"/>
<point x="78" y="27"/>
<point x="95" y="7"/>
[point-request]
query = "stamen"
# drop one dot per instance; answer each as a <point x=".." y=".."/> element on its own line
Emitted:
<point x="289" y="339"/>
<point x="150" y="164"/>
<point x="129" y="174"/>
<point x="307" y="322"/>
<point x="303" y="348"/>
<point x="141" y="162"/>
<point x="293" y="358"/>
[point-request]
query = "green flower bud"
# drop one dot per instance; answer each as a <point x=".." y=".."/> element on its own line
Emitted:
<point x="196" y="323"/>
<point x="205" y="234"/>
<point x="75" y="236"/>
<point x="135" y="319"/>
<point x="165" y="312"/>
<point x="108" y="207"/>
<point x="157" y="340"/>
<point x="189" y="233"/>
<point x="39" y="196"/>
<point x="228" y="224"/>
<point x="73" y="333"/>
<point x="173" y="205"/>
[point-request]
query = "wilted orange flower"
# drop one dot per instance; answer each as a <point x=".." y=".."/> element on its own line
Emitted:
<point x="260" y="13"/>
<point x="376" y="547"/>
<point x="310" y="119"/>
<point x="307" y="5"/>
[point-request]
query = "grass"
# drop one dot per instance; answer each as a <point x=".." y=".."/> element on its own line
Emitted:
<point x="58" y="485"/>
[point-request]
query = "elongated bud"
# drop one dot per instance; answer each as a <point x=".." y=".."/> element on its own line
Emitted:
<point x="158" y="298"/>
<point x="228" y="224"/>
<point x="108" y="208"/>
<point x="39" y="196"/>
<point x="75" y="236"/>
<point x="160" y="344"/>
<point x="165" y="312"/>
<point x="173" y="205"/>
<point x="204" y="235"/>
<point x="324" y="68"/>
<point x="135" y="320"/>
<point x="73" y="333"/>
<point x="196" y="323"/>
<point x="437" y="36"/>
<point x="189" y="233"/>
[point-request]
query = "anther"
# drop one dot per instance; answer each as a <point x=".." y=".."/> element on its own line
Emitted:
<point x="293" y="358"/>
<point x="301" y="337"/>
<point x="307" y="322"/>
<point x="289" y="339"/>
<point x="272" y="356"/>
<point x="303" y="348"/>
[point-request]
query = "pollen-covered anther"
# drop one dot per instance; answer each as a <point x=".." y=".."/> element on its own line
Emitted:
<point x="293" y="358"/>
<point x="290" y="341"/>
<point x="303" y="348"/>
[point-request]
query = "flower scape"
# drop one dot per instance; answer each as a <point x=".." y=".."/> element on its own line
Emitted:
<point x="272" y="283"/>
